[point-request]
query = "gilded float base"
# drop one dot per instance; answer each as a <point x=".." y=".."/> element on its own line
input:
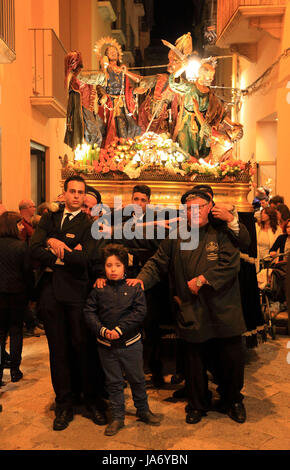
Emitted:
<point x="168" y="193"/>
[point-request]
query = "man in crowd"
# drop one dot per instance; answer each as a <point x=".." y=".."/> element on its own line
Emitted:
<point x="210" y="317"/>
<point x="27" y="210"/>
<point x="62" y="244"/>
<point x="157" y="298"/>
<point x="223" y="216"/>
<point x="92" y="197"/>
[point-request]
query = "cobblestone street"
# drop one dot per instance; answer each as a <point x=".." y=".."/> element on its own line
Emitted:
<point x="26" y="420"/>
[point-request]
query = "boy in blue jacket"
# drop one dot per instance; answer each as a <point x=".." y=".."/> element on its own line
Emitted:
<point x="115" y="314"/>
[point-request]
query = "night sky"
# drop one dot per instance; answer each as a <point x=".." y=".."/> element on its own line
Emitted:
<point x="173" y="19"/>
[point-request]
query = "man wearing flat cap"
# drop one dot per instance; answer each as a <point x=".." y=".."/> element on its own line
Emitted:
<point x="207" y="290"/>
<point x="92" y="197"/>
<point x="225" y="216"/>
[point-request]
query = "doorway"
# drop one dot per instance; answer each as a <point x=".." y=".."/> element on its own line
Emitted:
<point x="38" y="173"/>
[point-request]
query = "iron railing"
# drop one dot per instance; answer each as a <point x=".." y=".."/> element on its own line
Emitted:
<point x="48" y="65"/>
<point x="7" y="23"/>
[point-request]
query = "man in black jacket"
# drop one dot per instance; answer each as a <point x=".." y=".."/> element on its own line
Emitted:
<point x="157" y="298"/>
<point x="62" y="245"/>
<point x="207" y="289"/>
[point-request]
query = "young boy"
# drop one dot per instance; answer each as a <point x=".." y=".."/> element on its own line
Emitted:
<point x="115" y="315"/>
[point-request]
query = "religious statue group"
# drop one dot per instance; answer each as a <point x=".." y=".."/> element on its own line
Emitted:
<point x="115" y="102"/>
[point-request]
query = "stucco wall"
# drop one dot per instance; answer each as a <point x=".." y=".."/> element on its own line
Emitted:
<point x="19" y="121"/>
<point x="262" y="139"/>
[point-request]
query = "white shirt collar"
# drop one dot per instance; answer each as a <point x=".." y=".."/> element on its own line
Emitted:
<point x="66" y="211"/>
<point x="140" y="218"/>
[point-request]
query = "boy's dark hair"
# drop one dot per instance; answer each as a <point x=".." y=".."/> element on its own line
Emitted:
<point x="142" y="188"/>
<point x="8" y="224"/>
<point x="73" y="178"/>
<point x="277" y="200"/>
<point x="120" y="251"/>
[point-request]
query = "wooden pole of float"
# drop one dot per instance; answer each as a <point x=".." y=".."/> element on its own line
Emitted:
<point x="234" y="113"/>
<point x="234" y="83"/>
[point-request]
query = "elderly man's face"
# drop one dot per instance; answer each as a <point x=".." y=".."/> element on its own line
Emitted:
<point x="31" y="208"/>
<point x="197" y="215"/>
<point x="89" y="202"/>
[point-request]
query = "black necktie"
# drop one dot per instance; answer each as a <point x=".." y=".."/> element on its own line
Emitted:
<point x="66" y="221"/>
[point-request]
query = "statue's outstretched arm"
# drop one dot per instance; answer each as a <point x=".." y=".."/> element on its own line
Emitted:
<point x="147" y="83"/>
<point x="96" y="78"/>
<point x="236" y="132"/>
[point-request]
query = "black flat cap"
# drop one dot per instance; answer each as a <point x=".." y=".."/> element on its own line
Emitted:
<point x="95" y="193"/>
<point x="204" y="187"/>
<point x="196" y="193"/>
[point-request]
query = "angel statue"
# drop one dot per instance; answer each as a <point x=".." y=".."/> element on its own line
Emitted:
<point x="117" y="103"/>
<point x="159" y="110"/>
<point x="202" y="115"/>
<point x="82" y="122"/>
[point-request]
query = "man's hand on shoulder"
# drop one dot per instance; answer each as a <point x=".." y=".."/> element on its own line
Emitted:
<point x="100" y="283"/>
<point x="135" y="282"/>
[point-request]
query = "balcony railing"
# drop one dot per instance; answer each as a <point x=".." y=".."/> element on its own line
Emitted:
<point x="7" y="31"/>
<point x="227" y="8"/>
<point x="48" y="93"/>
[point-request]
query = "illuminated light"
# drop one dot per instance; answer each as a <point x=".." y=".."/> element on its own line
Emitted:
<point x="243" y="82"/>
<point x="209" y="165"/>
<point x="192" y="69"/>
<point x="81" y="151"/>
<point x="227" y="145"/>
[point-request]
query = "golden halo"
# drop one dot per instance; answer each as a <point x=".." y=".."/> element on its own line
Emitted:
<point x="107" y="41"/>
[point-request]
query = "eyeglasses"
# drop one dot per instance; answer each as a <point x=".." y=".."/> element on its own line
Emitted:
<point x="199" y="206"/>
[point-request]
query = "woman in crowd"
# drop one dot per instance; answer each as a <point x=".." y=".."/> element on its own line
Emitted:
<point x="16" y="279"/>
<point x="267" y="232"/>
<point x="283" y="215"/>
<point x="282" y="243"/>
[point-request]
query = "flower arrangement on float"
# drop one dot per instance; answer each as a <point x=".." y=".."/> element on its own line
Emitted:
<point x="155" y="153"/>
<point x="229" y="170"/>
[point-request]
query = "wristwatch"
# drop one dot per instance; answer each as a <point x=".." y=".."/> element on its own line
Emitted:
<point x="199" y="282"/>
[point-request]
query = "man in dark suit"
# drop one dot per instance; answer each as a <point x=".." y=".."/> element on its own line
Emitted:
<point x="210" y="319"/>
<point x="63" y="246"/>
<point x="157" y="298"/>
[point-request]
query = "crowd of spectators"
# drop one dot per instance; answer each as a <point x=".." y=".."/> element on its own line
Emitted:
<point x="33" y="248"/>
